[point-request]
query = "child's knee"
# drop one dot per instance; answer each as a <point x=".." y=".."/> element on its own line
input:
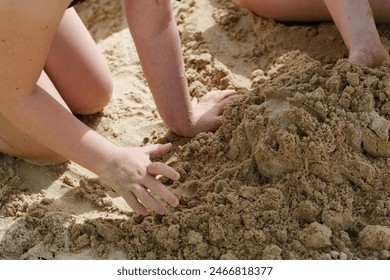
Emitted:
<point x="263" y="8"/>
<point x="242" y="3"/>
<point x="103" y="96"/>
<point x="100" y="95"/>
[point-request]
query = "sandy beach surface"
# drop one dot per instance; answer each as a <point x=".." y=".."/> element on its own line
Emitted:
<point x="298" y="170"/>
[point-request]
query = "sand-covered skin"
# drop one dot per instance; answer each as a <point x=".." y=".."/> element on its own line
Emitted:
<point x="298" y="170"/>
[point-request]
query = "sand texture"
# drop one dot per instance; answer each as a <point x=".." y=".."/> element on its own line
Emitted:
<point x="298" y="170"/>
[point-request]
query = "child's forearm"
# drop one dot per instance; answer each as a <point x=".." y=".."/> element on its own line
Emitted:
<point x="158" y="44"/>
<point x="355" y="21"/>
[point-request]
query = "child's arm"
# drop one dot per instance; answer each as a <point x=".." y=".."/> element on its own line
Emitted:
<point x="26" y="31"/>
<point x="155" y="34"/>
<point x="355" y="21"/>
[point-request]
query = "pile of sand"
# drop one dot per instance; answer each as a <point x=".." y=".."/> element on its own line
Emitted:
<point x="298" y="169"/>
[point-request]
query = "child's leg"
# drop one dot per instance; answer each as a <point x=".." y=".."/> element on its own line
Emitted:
<point x="354" y="19"/>
<point x="288" y="10"/>
<point x="82" y="84"/>
<point x="306" y="10"/>
<point x="77" y="68"/>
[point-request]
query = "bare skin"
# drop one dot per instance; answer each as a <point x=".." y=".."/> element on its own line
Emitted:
<point x="355" y="20"/>
<point x="61" y="72"/>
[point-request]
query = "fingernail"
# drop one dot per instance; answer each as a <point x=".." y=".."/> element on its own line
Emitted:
<point x="175" y="203"/>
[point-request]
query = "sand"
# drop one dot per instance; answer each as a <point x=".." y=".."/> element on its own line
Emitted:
<point x="298" y="170"/>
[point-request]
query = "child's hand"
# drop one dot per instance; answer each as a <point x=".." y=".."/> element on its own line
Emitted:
<point x="209" y="109"/>
<point x="372" y="56"/>
<point x="132" y="175"/>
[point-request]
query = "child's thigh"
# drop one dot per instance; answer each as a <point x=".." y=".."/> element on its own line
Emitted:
<point x="77" y="68"/>
<point x="288" y="10"/>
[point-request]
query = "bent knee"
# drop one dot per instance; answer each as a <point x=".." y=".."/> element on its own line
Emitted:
<point x="264" y="8"/>
<point x="242" y="3"/>
<point x="99" y="96"/>
<point x="101" y="100"/>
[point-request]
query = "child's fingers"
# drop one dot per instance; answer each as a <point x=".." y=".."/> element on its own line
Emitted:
<point x="140" y="199"/>
<point x="161" y="190"/>
<point x="218" y="96"/>
<point x="227" y="93"/>
<point x="147" y="200"/>
<point x="222" y="103"/>
<point x="158" y="149"/>
<point x="159" y="168"/>
<point x="133" y="202"/>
